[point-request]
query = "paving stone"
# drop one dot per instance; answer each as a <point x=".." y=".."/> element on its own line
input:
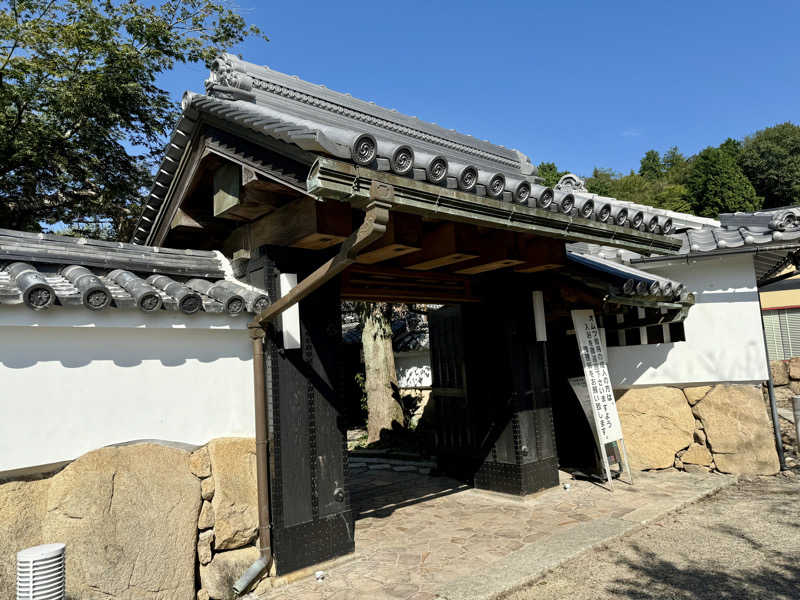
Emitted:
<point x="421" y="545"/>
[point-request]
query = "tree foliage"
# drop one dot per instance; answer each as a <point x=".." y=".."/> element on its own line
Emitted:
<point x="707" y="184"/>
<point x="651" y="167"/>
<point x="550" y="173"/>
<point x="771" y="160"/>
<point x="81" y="117"/>
<point x="716" y="184"/>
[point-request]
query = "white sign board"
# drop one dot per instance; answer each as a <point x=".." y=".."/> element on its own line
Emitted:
<point x="598" y="383"/>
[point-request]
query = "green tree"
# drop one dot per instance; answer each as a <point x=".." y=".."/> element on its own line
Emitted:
<point x="81" y="117"/>
<point x="771" y="160"/>
<point x="651" y="167"/>
<point x="716" y="184"/>
<point x="550" y="173"/>
<point x="672" y="196"/>
<point x="602" y="182"/>
<point x="731" y="147"/>
<point x="676" y="167"/>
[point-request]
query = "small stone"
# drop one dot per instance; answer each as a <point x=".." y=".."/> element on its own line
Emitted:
<point x="696" y="469"/>
<point x="206" y="518"/>
<point x="678" y="464"/>
<point x="200" y="463"/>
<point x="203" y="595"/>
<point x="207" y="488"/>
<point x="235" y="502"/>
<point x="695" y="394"/>
<point x="204" y="542"/>
<point x="780" y="373"/>
<point x="794" y="368"/>
<point x="784" y="394"/>
<point x="700" y="437"/>
<point x="697" y="455"/>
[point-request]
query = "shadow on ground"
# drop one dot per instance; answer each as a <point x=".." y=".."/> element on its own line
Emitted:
<point x="777" y="580"/>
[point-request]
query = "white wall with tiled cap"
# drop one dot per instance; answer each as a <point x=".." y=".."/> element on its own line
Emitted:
<point x="72" y="381"/>
<point x="724" y="340"/>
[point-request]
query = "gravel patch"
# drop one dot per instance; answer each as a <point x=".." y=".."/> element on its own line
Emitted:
<point x="744" y="542"/>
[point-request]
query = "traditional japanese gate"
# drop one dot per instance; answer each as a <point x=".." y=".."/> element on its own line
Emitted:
<point x="359" y="202"/>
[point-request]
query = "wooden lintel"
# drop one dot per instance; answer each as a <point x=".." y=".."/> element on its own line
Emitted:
<point x="540" y="254"/>
<point x="498" y="250"/>
<point x="381" y="283"/>
<point x="490" y="266"/>
<point x="447" y="244"/>
<point x="303" y="223"/>
<point x="403" y="236"/>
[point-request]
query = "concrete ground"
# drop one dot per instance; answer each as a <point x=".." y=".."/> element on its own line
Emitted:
<point x="420" y="537"/>
<point x="743" y="542"/>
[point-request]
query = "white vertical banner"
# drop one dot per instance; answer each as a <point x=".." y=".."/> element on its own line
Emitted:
<point x="594" y="388"/>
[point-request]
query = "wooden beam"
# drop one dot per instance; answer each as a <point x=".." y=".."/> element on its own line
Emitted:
<point x="403" y="236"/>
<point x="373" y="227"/>
<point x="540" y="254"/>
<point x="447" y="244"/>
<point x="227" y="189"/>
<point x="184" y="219"/>
<point x="303" y="223"/>
<point x="337" y="179"/>
<point x="498" y="250"/>
<point x="382" y="283"/>
<point x="242" y="194"/>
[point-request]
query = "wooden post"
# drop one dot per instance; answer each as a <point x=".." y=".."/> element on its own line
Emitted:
<point x="310" y="505"/>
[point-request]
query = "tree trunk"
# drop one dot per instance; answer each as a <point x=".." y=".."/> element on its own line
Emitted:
<point x="383" y="400"/>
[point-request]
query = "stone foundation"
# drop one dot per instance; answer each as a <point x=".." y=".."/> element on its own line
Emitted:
<point x="722" y="428"/>
<point x="127" y="514"/>
<point x="141" y="520"/>
<point x="228" y="518"/>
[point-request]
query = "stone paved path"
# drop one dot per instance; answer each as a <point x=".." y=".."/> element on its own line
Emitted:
<point x="421" y="537"/>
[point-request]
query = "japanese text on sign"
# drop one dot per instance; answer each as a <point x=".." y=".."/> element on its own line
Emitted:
<point x="595" y="370"/>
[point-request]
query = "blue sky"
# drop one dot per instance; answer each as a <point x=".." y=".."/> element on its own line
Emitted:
<point x="582" y="84"/>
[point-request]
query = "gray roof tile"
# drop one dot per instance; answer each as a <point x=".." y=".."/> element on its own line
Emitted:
<point x="39" y="270"/>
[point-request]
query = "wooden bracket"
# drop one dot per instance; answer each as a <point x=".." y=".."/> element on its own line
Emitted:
<point x="373" y="227"/>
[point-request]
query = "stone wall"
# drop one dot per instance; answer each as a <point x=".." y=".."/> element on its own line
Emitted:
<point x="127" y="514"/>
<point x="227" y="523"/>
<point x="722" y="428"/>
<point x="140" y="521"/>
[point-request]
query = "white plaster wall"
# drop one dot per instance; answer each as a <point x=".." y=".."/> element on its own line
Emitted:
<point x="72" y="381"/>
<point x="413" y="369"/>
<point x="724" y="341"/>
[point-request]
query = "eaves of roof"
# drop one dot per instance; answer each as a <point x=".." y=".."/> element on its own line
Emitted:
<point x="45" y="270"/>
<point x="318" y="122"/>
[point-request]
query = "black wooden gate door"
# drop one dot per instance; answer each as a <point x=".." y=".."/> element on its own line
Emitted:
<point x="492" y="396"/>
